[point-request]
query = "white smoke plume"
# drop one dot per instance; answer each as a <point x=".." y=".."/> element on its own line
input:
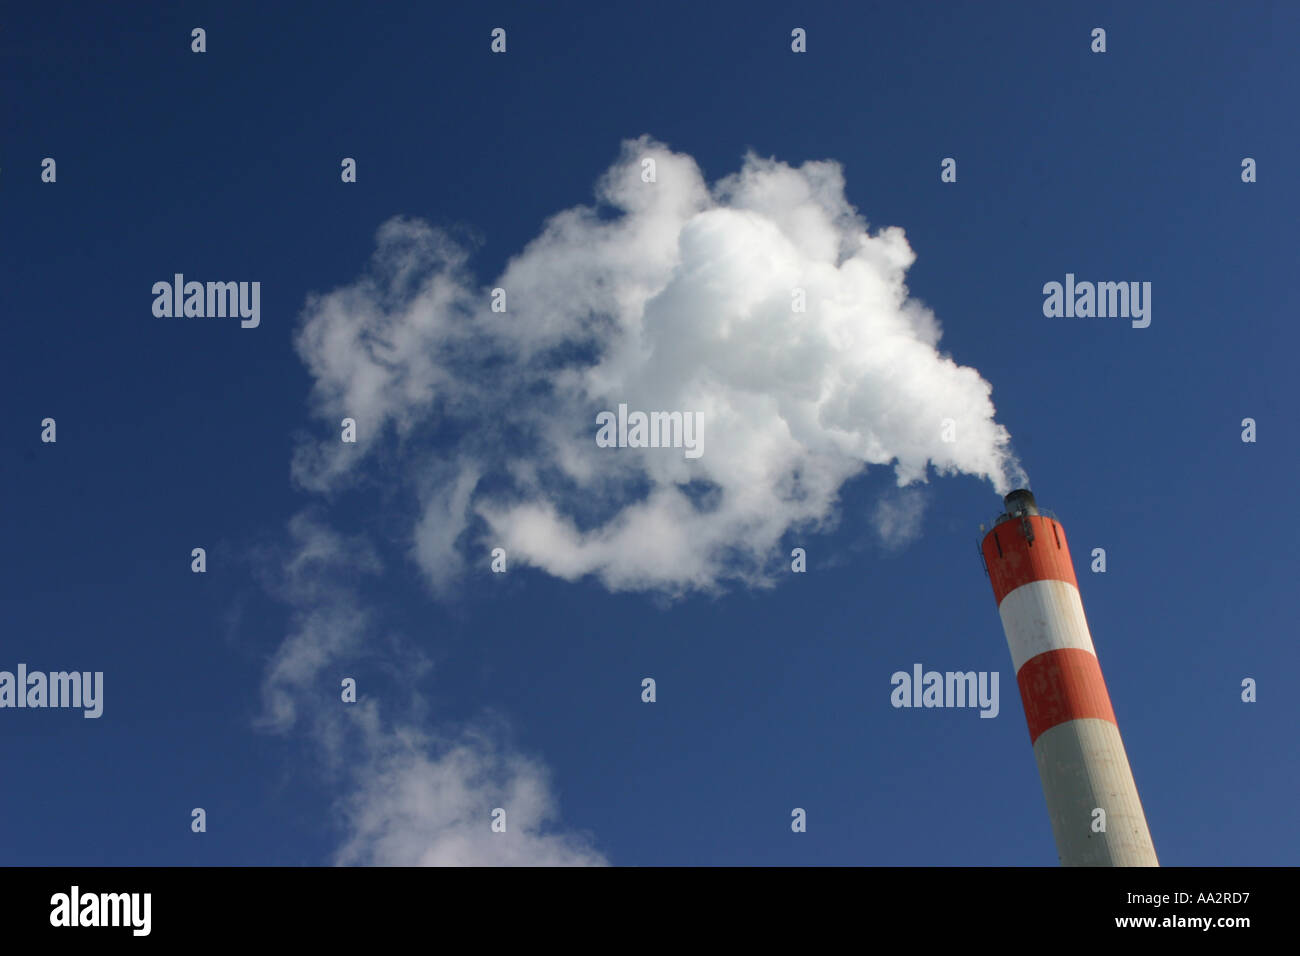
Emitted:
<point x="667" y="295"/>
<point x="762" y="304"/>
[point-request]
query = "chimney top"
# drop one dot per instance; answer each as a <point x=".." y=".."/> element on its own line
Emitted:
<point x="1021" y="503"/>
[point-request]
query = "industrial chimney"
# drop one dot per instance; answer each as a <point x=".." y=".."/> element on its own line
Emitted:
<point x="1081" y="758"/>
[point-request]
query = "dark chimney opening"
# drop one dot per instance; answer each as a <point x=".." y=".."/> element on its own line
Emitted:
<point x="1020" y="503"/>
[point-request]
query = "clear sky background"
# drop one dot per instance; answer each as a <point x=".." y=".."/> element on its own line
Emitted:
<point x="179" y="433"/>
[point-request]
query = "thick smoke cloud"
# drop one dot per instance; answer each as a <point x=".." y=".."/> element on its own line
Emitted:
<point x="668" y="295"/>
<point x="762" y="304"/>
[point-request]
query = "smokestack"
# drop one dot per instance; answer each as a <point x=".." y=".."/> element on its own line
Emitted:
<point x="1081" y="758"/>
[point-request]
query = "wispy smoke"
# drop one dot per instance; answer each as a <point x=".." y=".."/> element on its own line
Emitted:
<point x="668" y="295"/>
<point x="410" y="797"/>
<point x="428" y="803"/>
<point x="898" y="517"/>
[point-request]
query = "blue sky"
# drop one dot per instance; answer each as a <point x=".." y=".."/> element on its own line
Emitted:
<point x="180" y="433"/>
